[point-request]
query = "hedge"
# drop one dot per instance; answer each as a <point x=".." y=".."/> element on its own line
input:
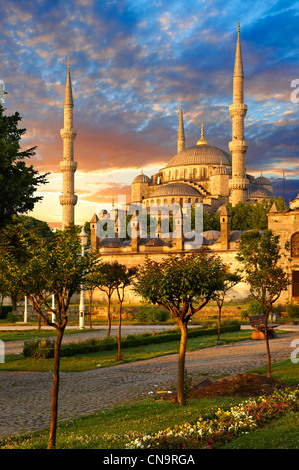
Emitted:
<point x="42" y="348"/>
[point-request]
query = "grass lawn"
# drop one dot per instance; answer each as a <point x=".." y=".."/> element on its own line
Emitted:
<point x="113" y="429"/>
<point x="107" y="358"/>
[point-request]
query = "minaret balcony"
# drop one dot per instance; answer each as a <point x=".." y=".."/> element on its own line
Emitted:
<point x="68" y="133"/>
<point x="238" y="109"/>
<point x="238" y="183"/>
<point x="238" y="146"/>
<point x="68" y="199"/>
<point x="68" y="165"/>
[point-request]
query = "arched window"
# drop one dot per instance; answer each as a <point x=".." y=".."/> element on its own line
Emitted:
<point x="194" y="172"/>
<point x="204" y="172"/>
<point x="176" y="174"/>
<point x="295" y="245"/>
<point x="185" y="173"/>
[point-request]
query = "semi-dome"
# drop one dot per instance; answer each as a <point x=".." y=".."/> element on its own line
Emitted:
<point x="141" y="179"/>
<point x="201" y="155"/>
<point x="211" y="235"/>
<point x="175" y="189"/>
<point x="152" y="241"/>
<point x="262" y="180"/>
<point x="110" y="243"/>
<point x="221" y="170"/>
<point x="255" y="191"/>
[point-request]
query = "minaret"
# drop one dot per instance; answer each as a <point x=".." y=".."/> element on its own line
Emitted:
<point x="181" y="132"/>
<point x="238" y="146"/>
<point x="68" y="199"/>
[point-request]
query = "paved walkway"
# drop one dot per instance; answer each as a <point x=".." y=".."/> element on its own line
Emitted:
<point x="25" y="397"/>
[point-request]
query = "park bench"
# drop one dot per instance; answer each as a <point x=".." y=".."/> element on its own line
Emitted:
<point x="258" y="323"/>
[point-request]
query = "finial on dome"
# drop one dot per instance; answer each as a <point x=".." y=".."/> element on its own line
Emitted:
<point x="202" y="140"/>
<point x="142" y="171"/>
<point x="238" y="26"/>
<point x="68" y="62"/>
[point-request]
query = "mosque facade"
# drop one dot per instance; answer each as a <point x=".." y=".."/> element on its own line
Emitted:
<point x="202" y="174"/>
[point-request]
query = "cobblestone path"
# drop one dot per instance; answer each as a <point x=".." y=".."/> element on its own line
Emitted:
<point x="25" y="397"/>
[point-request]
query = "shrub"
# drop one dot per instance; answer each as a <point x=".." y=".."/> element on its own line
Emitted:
<point x="151" y="315"/>
<point x="39" y="349"/>
<point x="11" y="317"/>
<point x="292" y="310"/>
<point x="254" y="308"/>
<point x="45" y="348"/>
<point x="5" y="310"/>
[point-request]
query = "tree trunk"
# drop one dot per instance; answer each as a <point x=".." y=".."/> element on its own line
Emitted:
<point x="219" y="321"/>
<point x="55" y="388"/>
<point x="90" y="307"/>
<point x="181" y="365"/>
<point x="267" y="346"/>
<point x="118" y="357"/>
<point x="109" y="319"/>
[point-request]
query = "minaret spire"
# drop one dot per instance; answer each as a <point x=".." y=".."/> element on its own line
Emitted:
<point x="238" y="146"/>
<point x="68" y="166"/>
<point x="181" y="132"/>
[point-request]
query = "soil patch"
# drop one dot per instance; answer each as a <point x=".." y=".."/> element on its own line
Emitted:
<point x="243" y="385"/>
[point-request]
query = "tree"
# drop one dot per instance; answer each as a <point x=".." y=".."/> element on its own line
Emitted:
<point x="183" y="285"/>
<point x="18" y="182"/>
<point x="229" y="280"/>
<point x="123" y="278"/>
<point x="51" y="266"/>
<point x="260" y="255"/>
<point x="253" y="216"/>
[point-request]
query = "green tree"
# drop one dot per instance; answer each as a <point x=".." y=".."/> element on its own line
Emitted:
<point x="253" y="216"/>
<point x="51" y="266"/>
<point x="260" y="256"/>
<point x="183" y="285"/>
<point x="18" y="182"/>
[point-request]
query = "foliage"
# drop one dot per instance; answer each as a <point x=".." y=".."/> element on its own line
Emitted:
<point x="151" y="315"/>
<point x="292" y="310"/>
<point x="18" y="182"/>
<point x="253" y="216"/>
<point x="224" y="425"/>
<point x="183" y="285"/>
<point x="260" y="255"/>
<point x="40" y="267"/>
<point x="259" y="252"/>
<point x="111" y="343"/>
<point x="254" y="308"/>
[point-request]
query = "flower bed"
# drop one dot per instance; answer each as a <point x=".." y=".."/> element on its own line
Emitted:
<point x="225" y="425"/>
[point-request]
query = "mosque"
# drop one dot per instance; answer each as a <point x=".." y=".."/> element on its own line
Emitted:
<point x="202" y="174"/>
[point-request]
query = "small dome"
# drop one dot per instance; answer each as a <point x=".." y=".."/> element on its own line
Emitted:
<point x="211" y="235"/>
<point x="261" y="180"/>
<point x="141" y="179"/>
<point x="256" y="191"/>
<point x="175" y="189"/>
<point x="110" y="243"/>
<point x="235" y="235"/>
<point x="152" y="241"/>
<point x="221" y="170"/>
<point x="201" y="155"/>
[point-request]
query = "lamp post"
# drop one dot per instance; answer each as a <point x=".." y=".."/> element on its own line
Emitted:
<point x="83" y="242"/>
<point x="26" y="310"/>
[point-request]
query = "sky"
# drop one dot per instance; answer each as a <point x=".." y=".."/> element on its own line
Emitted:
<point x="132" y="63"/>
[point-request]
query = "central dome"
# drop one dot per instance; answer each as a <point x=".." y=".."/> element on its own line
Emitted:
<point x="201" y="155"/>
